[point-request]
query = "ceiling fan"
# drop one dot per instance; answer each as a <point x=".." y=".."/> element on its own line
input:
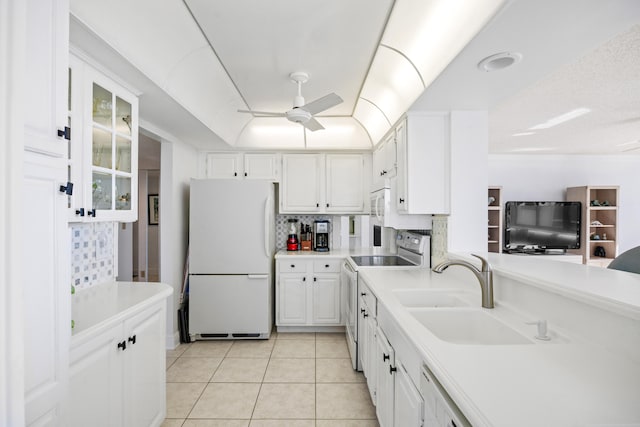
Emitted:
<point x="302" y="113"/>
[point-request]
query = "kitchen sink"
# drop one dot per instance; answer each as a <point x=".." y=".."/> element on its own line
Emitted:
<point x="467" y="326"/>
<point x="428" y="298"/>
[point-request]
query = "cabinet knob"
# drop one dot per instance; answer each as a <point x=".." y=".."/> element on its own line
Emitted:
<point x="327" y="204"/>
<point x="326" y="266"/>
<point x="364" y="294"/>
<point x="315" y="279"/>
<point x="293" y="266"/>
<point x="245" y="174"/>
<point x="362" y="310"/>
<point x="67" y="189"/>
<point x="392" y="369"/>
<point x="235" y="174"/>
<point x="401" y="200"/>
<point x="317" y="205"/>
<point x="91" y="212"/>
<point x="304" y="279"/>
<point x="80" y="211"/>
<point x="65" y="133"/>
<point x="385" y="357"/>
<point x="365" y="315"/>
<point x="122" y="345"/>
<point x="132" y="339"/>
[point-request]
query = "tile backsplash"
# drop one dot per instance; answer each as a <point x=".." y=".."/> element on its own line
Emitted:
<point x="282" y="226"/>
<point x="438" y="239"/>
<point x="92" y="254"/>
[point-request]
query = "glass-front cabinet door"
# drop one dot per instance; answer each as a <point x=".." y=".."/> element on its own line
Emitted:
<point x="109" y="144"/>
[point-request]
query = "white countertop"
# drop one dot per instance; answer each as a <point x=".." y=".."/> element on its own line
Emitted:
<point x="92" y="307"/>
<point x="559" y="383"/>
<point x="336" y="253"/>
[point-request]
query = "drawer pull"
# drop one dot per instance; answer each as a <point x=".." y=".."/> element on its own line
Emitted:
<point x="326" y="266"/>
<point x="132" y="339"/>
<point x="385" y="357"/>
<point x="293" y="266"/>
<point x="122" y="345"/>
<point x="392" y="369"/>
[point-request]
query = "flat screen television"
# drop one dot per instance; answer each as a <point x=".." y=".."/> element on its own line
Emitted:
<point x="539" y="227"/>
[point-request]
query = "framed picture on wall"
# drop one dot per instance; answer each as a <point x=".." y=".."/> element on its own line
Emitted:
<point x="154" y="209"/>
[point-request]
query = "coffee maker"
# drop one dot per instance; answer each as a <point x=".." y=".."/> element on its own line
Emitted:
<point x="321" y="236"/>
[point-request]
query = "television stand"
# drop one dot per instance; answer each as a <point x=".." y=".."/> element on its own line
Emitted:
<point x="536" y="251"/>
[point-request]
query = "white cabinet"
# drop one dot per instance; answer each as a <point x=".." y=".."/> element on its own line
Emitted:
<point x="308" y="292"/>
<point x="117" y="371"/>
<point x="384" y="162"/>
<point x="367" y="336"/>
<point x="385" y="369"/>
<point x="408" y="403"/>
<point x="423" y="153"/>
<point x="44" y="288"/>
<point x="243" y="165"/>
<point x="300" y="187"/>
<point x="103" y="147"/>
<point x="344" y="183"/>
<point x="331" y="183"/>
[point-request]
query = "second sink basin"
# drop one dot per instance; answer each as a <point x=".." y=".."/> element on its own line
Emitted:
<point x="468" y="326"/>
<point x="428" y="298"/>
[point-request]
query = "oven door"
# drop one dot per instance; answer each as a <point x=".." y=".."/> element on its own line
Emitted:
<point x="350" y="280"/>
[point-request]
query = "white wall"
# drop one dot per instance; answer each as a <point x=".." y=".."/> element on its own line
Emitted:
<point x="467" y="224"/>
<point x="546" y="177"/>
<point x="178" y="164"/>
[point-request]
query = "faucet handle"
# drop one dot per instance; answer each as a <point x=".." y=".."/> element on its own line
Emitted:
<point x="485" y="264"/>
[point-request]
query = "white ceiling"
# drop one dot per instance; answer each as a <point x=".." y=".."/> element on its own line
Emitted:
<point x="196" y="62"/>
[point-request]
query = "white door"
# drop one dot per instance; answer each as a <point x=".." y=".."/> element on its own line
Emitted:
<point x="371" y="353"/>
<point x="230" y="304"/>
<point x="231" y="227"/>
<point x="224" y="165"/>
<point x="144" y="368"/>
<point x="345" y="183"/>
<point x="292" y="299"/>
<point x="326" y="299"/>
<point x="401" y="174"/>
<point x="408" y="410"/>
<point x="261" y="166"/>
<point x="46" y="289"/>
<point x="95" y="381"/>
<point x="300" y="189"/>
<point x="385" y="380"/>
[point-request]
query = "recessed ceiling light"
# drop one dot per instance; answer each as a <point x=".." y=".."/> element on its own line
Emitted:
<point x="499" y="61"/>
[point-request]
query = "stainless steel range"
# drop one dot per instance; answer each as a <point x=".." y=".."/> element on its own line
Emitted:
<point x="414" y="251"/>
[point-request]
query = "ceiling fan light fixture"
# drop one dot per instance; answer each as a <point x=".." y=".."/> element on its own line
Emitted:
<point x="499" y="61"/>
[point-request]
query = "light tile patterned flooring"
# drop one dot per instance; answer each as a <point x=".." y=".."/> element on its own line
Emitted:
<point x="290" y="380"/>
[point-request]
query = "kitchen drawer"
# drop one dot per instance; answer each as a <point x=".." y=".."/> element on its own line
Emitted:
<point x="369" y="299"/>
<point x="327" y="266"/>
<point x="297" y="266"/>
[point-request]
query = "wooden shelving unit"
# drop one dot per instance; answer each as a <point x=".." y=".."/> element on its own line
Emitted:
<point x="494" y="227"/>
<point x="599" y="222"/>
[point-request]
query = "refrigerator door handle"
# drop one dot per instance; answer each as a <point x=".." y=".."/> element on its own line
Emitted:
<point x="267" y="225"/>
<point x="258" y="276"/>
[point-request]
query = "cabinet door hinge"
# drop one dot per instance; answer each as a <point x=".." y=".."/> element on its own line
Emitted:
<point x="66" y="133"/>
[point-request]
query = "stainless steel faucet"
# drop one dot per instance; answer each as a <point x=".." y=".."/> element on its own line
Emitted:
<point x="484" y="276"/>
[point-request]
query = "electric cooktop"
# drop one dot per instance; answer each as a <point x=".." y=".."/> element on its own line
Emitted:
<point x="380" y="261"/>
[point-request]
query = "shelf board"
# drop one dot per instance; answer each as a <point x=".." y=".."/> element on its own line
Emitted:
<point x="493" y="226"/>
<point x="494" y="208"/>
<point x="601" y="241"/>
<point x="492" y="241"/>
<point x="603" y="208"/>
<point x="602" y="226"/>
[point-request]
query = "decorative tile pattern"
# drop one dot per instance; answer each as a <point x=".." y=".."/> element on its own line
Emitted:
<point x="438" y="239"/>
<point x="92" y="254"/>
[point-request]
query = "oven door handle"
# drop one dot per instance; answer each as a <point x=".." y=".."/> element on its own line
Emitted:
<point x="348" y="267"/>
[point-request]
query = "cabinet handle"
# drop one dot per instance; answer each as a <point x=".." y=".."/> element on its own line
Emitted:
<point x="362" y="310"/>
<point x="91" y="212"/>
<point x="364" y="294"/>
<point x="132" y="339"/>
<point x="65" y="133"/>
<point x="327" y="204"/>
<point x="245" y="174"/>
<point x="317" y="205"/>
<point x="80" y="211"/>
<point x="401" y="200"/>
<point x="67" y="189"/>
<point x="315" y="279"/>
<point x="326" y="266"/>
<point x="365" y="315"/>
<point x="293" y="266"/>
<point x="235" y="174"/>
<point x="385" y="357"/>
<point x="392" y="369"/>
<point x="122" y="345"/>
<point x="304" y="279"/>
<point x="384" y="172"/>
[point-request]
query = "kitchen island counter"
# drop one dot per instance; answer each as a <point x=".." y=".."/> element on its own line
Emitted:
<point x="587" y="374"/>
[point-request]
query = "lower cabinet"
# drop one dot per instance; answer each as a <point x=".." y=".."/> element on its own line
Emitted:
<point x="117" y="375"/>
<point x="408" y="403"/>
<point x="385" y="381"/>
<point x="308" y="292"/>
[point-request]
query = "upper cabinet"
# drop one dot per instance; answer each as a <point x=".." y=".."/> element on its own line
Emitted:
<point x="103" y="147"/>
<point x="422" y="177"/>
<point x="233" y="165"/>
<point x="384" y="162"/>
<point x="322" y="183"/>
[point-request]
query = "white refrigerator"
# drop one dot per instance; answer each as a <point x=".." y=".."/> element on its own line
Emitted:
<point x="231" y="248"/>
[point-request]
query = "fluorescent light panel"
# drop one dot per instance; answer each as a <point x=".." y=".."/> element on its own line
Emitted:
<point x="570" y="115"/>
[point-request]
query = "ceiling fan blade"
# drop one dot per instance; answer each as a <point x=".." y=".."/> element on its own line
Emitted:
<point x="313" y="125"/>
<point x="322" y="104"/>
<point x="262" y="113"/>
